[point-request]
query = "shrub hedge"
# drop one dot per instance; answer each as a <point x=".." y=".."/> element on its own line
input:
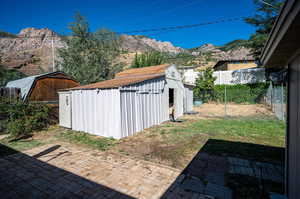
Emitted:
<point x="23" y="118"/>
<point x="241" y="93"/>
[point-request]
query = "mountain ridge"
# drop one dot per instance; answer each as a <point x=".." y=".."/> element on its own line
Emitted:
<point x="30" y="51"/>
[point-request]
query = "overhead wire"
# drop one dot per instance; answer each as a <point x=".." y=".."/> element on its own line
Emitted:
<point x="169" y="28"/>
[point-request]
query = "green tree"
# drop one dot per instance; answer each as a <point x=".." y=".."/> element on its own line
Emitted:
<point x="7" y="75"/>
<point x="151" y="58"/>
<point x="89" y="56"/>
<point x="205" y="84"/>
<point x="266" y="14"/>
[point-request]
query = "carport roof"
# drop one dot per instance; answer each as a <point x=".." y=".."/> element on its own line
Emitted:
<point x="283" y="42"/>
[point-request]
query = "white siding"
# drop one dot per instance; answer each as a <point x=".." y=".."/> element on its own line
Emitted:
<point x="97" y="112"/>
<point x="188" y="99"/>
<point x="65" y="109"/>
<point x="243" y="76"/>
<point x="174" y="81"/>
<point x="143" y="105"/>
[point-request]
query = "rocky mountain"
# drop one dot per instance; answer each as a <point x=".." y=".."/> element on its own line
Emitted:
<point x="31" y="50"/>
<point x="217" y="53"/>
<point x="137" y="43"/>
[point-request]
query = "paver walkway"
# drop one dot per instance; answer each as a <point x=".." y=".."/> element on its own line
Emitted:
<point x="54" y="171"/>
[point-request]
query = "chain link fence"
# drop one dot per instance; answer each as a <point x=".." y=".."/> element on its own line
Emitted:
<point x="268" y="95"/>
<point x="276" y="98"/>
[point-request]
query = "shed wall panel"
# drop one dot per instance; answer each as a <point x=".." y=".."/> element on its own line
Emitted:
<point x="143" y="105"/>
<point x="97" y="112"/>
<point x="65" y="103"/>
<point x="188" y="99"/>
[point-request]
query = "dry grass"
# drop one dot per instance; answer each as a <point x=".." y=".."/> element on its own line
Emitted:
<point x="175" y="144"/>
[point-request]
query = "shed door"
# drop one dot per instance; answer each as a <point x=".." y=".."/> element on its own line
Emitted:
<point x="65" y="119"/>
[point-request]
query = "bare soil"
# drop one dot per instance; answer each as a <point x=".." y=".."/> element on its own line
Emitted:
<point x="214" y="110"/>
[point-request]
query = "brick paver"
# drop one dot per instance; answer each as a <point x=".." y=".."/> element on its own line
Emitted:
<point x="71" y="172"/>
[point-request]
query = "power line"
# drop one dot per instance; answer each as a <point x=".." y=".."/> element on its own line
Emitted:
<point x="169" y="28"/>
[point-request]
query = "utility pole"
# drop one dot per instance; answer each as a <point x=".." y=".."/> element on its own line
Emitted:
<point x="53" y="56"/>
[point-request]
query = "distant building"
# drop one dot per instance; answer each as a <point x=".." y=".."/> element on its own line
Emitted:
<point x="228" y="65"/>
<point x="43" y="87"/>
<point x="136" y="99"/>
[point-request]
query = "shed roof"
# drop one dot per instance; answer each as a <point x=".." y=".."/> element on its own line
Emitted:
<point x="150" y="70"/>
<point x="119" y="82"/>
<point x="26" y="84"/>
<point x="128" y="77"/>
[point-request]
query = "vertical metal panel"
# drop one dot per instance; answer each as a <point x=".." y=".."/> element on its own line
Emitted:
<point x="143" y="105"/>
<point x="188" y="99"/>
<point x="97" y="112"/>
<point x="293" y="133"/>
<point x="65" y="109"/>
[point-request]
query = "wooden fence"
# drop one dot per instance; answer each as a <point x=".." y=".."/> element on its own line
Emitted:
<point x="11" y="93"/>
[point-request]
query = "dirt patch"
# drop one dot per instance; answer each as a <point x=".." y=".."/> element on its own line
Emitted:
<point x="213" y="110"/>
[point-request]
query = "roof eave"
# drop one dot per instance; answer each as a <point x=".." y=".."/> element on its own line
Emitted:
<point x="282" y="41"/>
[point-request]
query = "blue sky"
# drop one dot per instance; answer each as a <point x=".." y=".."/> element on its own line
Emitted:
<point x="122" y="16"/>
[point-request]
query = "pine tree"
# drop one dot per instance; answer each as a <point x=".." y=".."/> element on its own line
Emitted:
<point x="266" y="14"/>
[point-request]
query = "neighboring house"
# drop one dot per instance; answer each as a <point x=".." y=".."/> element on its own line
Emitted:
<point x="43" y="87"/>
<point x="226" y="65"/>
<point x="241" y="76"/>
<point x="283" y="51"/>
<point x="136" y="99"/>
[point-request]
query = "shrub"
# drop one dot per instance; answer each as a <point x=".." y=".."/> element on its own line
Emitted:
<point x="24" y="118"/>
<point x="205" y="85"/>
<point x="240" y="93"/>
<point x="148" y="59"/>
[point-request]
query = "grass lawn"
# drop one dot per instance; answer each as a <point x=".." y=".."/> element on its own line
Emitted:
<point x="95" y="142"/>
<point x="8" y="148"/>
<point x="259" y="138"/>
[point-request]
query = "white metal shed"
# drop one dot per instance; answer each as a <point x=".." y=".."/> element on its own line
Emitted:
<point x="188" y="98"/>
<point x="136" y="99"/>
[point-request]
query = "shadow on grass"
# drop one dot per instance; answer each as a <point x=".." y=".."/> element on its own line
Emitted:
<point x="243" y="150"/>
<point x="23" y="176"/>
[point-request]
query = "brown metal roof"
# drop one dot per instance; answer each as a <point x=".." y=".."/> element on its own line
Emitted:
<point x="115" y="83"/>
<point x="130" y="76"/>
<point x="150" y="70"/>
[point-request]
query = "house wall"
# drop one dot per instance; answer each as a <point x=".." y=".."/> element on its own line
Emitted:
<point x="174" y="80"/>
<point x="293" y="131"/>
<point x="46" y="89"/>
<point x="143" y="105"/>
<point x="237" y="66"/>
<point x="97" y="112"/>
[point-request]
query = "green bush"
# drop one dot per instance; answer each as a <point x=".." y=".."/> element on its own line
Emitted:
<point x="23" y="118"/>
<point x="241" y="93"/>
